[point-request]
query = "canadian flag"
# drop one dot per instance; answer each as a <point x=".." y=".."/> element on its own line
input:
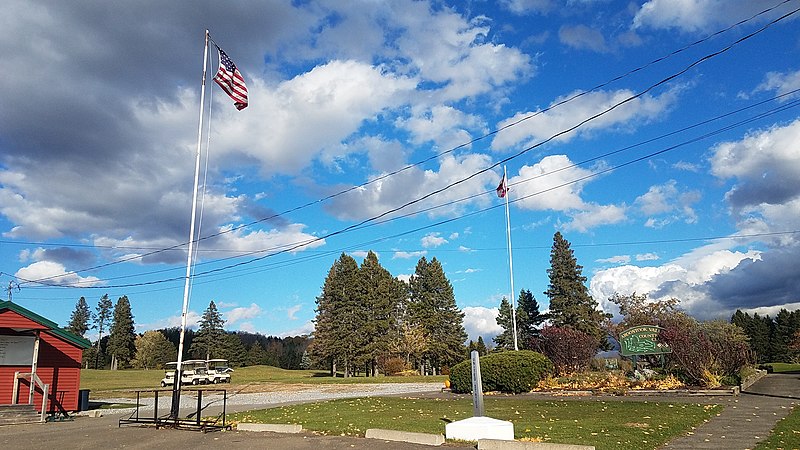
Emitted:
<point x="502" y="188"/>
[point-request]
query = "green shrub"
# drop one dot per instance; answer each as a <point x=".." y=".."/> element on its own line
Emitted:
<point x="511" y="371"/>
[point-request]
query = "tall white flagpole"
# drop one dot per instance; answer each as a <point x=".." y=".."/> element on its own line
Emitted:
<point x="189" y="257"/>
<point x="510" y="263"/>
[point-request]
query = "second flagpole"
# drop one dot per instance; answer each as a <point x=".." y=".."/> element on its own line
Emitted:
<point x="510" y="263"/>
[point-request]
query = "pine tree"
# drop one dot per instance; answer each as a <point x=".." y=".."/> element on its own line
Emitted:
<point x="433" y="307"/>
<point x="570" y="303"/>
<point x="505" y="340"/>
<point x="256" y="355"/>
<point x="80" y="318"/>
<point x="209" y="341"/>
<point x="101" y="318"/>
<point x="529" y="319"/>
<point x="481" y="347"/>
<point x="231" y="348"/>
<point x="122" y="335"/>
<point x="338" y="317"/>
<point x="378" y="295"/>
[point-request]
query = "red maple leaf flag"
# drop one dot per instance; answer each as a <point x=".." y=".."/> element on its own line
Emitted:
<point x="231" y="81"/>
<point x="502" y="188"/>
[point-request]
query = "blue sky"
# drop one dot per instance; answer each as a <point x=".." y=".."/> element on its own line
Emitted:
<point x="660" y="138"/>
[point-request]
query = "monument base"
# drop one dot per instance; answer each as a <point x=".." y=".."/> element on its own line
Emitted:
<point x="476" y="428"/>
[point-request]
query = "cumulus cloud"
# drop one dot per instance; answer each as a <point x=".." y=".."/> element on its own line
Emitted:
<point x="781" y="84"/>
<point x="56" y="274"/>
<point x="409" y="255"/>
<point x="700" y="15"/>
<point x="481" y="321"/>
<point x="241" y="313"/>
<point x="667" y="200"/>
<point x="433" y="240"/>
<point x="379" y="197"/>
<point x="543" y="125"/>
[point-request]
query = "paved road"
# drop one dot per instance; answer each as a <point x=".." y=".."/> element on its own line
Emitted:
<point x="745" y="420"/>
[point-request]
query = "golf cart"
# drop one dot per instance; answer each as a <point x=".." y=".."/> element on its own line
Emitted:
<point x="217" y="371"/>
<point x="193" y="371"/>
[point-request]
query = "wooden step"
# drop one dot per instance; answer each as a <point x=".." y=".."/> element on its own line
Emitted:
<point x="16" y="414"/>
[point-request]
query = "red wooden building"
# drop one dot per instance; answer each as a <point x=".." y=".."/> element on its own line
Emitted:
<point x="31" y="344"/>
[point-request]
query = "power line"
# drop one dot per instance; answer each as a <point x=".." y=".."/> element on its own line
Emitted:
<point x="460" y="181"/>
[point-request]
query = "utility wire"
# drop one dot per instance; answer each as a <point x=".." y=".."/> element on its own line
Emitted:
<point x="463" y="180"/>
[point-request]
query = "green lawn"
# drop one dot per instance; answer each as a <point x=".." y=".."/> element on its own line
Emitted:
<point x="784" y="367"/>
<point x="118" y="382"/>
<point x="605" y="424"/>
<point x="785" y="435"/>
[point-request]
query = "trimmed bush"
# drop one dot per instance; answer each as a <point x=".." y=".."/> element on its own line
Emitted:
<point x="512" y="372"/>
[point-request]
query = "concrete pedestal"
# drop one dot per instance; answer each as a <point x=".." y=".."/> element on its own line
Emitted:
<point x="476" y="428"/>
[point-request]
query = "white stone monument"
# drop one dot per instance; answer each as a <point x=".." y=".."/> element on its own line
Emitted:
<point x="479" y="426"/>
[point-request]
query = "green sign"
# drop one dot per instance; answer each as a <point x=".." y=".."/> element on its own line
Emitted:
<point x="642" y="340"/>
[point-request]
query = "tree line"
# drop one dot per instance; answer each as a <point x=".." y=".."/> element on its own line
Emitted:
<point x="368" y="321"/>
<point x="118" y="346"/>
<point x="772" y="339"/>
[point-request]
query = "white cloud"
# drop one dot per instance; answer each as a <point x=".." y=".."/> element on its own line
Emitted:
<point x="761" y="162"/>
<point x="408" y="255"/>
<point x="647" y="257"/>
<point x="667" y="199"/>
<point x="549" y="184"/>
<point x="529" y="6"/>
<point x="781" y="84"/>
<point x="56" y="274"/>
<point x="593" y="216"/>
<point x="433" y="240"/>
<point x="700" y="15"/>
<point x="481" y="321"/>
<point x="292" y="311"/>
<point x="684" y="278"/>
<point x="543" y="125"/>
<point x="242" y="313"/>
<point x="379" y="197"/>
<point x="620" y="259"/>
<point x="303" y="330"/>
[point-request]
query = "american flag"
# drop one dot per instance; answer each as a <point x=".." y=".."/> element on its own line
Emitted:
<point x="231" y="81"/>
<point x="502" y="189"/>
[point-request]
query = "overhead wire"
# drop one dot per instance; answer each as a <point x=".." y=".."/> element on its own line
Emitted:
<point x="437" y="191"/>
<point x="609" y="169"/>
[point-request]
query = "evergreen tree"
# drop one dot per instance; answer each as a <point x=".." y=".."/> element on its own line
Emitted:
<point x="80" y="318"/>
<point x="480" y="346"/>
<point x="256" y="355"/>
<point x="209" y="341"/>
<point x="433" y="307"/>
<point x="122" y="335"/>
<point x="505" y="340"/>
<point x="570" y="303"/>
<point x="378" y="295"/>
<point x="338" y="318"/>
<point x="101" y="319"/>
<point x="529" y="320"/>
<point x="230" y="347"/>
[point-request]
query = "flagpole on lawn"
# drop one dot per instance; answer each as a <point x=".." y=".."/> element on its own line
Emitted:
<point x="176" y="387"/>
<point x="510" y="261"/>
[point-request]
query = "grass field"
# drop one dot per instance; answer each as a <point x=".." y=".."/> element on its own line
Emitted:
<point x="784" y="367"/>
<point x="604" y="424"/>
<point x="786" y="433"/>
<point x="106" y="383"/>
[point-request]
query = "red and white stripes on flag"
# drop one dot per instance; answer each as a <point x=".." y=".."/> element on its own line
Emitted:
<point x="502" y="188"/>
<point x="231" y="81"/>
